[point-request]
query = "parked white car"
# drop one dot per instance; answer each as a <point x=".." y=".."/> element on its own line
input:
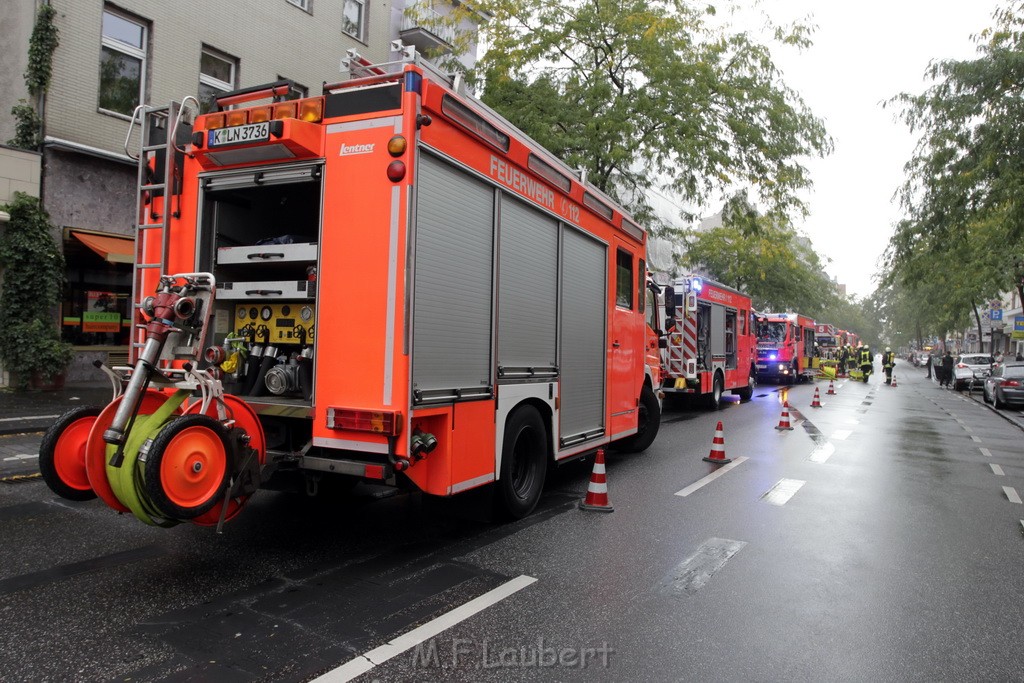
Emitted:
<point x="970" y="367"/>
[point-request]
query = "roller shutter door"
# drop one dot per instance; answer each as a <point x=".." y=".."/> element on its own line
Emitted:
<point x="527" y="292"/>
<point x="453" y="284"/>
<point x="584" y="309"/>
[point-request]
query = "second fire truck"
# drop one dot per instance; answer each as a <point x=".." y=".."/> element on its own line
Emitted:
<point x="710" y="342"/>
<point x="785" y="347"/>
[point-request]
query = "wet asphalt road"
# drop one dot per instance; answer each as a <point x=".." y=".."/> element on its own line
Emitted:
<point x="875" y="541"/>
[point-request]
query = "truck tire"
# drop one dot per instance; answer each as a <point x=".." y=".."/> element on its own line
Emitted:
<point x="648" y="423"/>
<point x="523" y="464"/>
<point x="717" y="389"/>
<point x="747" y="392"/>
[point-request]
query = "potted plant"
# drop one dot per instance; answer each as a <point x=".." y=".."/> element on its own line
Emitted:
<point x="33" y="274"/>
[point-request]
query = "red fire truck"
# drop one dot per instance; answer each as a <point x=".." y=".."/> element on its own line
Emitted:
<point x="710" y="342"/>
<point x="388" y="282"/>
<point x="785" y="346"/>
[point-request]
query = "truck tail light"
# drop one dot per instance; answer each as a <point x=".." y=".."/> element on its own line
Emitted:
<point x="237" y="117"/>
<point x="260" y="114"/>
<point x="377" y="422"/>
<point x="311" y="110"/>
<point x="396" y="171"/>
<point x="214" y="121"/>
<point x="286" y="110"/>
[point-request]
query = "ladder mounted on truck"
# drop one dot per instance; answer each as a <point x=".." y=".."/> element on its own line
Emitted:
<point x="159" y="163"/>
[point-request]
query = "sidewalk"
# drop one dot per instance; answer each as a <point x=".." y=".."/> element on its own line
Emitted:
<point x="34" y="411"/>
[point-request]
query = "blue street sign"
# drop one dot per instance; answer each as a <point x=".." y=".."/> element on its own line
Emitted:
<point x="995" y="314"/>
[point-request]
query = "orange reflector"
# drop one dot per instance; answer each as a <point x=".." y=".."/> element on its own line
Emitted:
<point x="396" y="171"/>
<point x="373" y="472"/>
<point x="311" y="110"/>
<point x="259" y="114"/>
<point x="285" y="110"/>
<point x="397" y="146"/>
<point x="214" y="121"/>
<point x="236" y="117"/>
<point x="378" y="422"/>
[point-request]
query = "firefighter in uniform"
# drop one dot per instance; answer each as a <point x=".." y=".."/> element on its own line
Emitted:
<point x="867" y="363"/>
<point x="888" y="361"/>
<point x="844" y="359"/>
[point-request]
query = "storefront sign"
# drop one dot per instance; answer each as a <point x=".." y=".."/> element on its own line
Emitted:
<point x="1018" y="327"/>
<point x="101" y="314"/>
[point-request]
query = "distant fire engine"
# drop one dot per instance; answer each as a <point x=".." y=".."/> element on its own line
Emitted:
<point x="785" y="346"/>
<point x="710" y="341"/>
<point x="388" y="282"/>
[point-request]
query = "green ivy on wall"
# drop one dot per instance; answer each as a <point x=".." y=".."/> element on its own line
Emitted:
<point x="28" y="124"/>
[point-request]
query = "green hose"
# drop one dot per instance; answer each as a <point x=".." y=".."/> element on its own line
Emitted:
<point x="126" y="480"/>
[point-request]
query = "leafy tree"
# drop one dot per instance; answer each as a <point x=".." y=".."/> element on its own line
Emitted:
<point x="765" y="258"/>
<point x="645" y="94"/>
<point x="964" y="192"/>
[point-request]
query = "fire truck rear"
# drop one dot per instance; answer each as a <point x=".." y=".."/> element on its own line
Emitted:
<point x="785" y="347"/>
<point x="388" y="282"/>
<point x="710" y="341"/>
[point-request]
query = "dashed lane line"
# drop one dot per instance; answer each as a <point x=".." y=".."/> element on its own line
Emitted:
<point x="975" y="439"/>
<point x="1012" y="495"/>
<point x="21" y="457"/>
<point x="366" y="661"/>
<point x="841" y="434"/>
<point x="700" y="483"/>
<point x="986" y="452"/>
<point x="783" y="490"/>
<point x="822" y="452"/>
<point x="996" y="469"/>
<point x="30" y="417"/>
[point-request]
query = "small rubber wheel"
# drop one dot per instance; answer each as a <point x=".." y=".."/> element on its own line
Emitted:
<point x="648" y="423"/>
<point x="62" y="454"/>
<point x="187" y="465"/>
<point x="523" y="463"/>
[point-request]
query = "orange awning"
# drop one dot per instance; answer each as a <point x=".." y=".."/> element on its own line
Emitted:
<point x="113" y="249"/>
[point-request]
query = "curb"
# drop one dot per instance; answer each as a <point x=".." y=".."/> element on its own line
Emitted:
<point x="996" y="411"/>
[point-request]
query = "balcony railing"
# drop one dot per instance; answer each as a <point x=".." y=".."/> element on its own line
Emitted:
<point x="425" y="27"/>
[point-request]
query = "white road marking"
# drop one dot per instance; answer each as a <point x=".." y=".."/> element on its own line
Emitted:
<point x="1011" y="494"/>
<point x="822" y="453"/>
<point x="363" y="663"/>
<point x="30" y="417"/>
<point x="974" y="438"/>
<point x="783" y="490"/>
<point x="996" y="469"/>
<point x="853" y="422"/>
<point x="841" y="434"/>
<point x="986" y="452"/>
<point x="966" y="428"/>
<point x="20" y="457"/>
<point x="711" y="477"/>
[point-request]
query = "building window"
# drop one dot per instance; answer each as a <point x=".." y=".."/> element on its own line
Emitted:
<point x="296" y="91"/>
<point x="122" y="63"/>
<point x="216" y="76"/>
<point x="353" y="18"/>
<point x="301" y="4"/>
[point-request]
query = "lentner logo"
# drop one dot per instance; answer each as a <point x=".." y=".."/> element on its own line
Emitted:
<point x="348" y="150"/>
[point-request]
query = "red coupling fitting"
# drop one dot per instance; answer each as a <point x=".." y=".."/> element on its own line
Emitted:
<point x="401" y="464"/>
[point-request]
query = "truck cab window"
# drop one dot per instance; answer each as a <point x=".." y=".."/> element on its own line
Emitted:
<point x="623" y="279"/>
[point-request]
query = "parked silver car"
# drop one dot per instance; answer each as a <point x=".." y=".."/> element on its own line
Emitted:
<point x="971" y="366"/>
<point x="1005" y="385"/>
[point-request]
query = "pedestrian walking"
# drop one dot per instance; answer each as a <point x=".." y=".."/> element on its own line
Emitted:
<point x="947" y="370"/>
<point x="928" y="365"/>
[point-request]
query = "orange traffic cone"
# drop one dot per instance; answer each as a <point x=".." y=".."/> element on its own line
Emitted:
<point x="784" y="420"/>
<point x="717" y="455"/>
<point x="816" y="402"/>
<point x="831" y="389"/>
<point x="597" y="490"/>
<point x="894" y="380"/>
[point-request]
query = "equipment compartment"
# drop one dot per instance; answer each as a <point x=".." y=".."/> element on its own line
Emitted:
<point x="268" y="290"/>
<point x="267" y="254"/>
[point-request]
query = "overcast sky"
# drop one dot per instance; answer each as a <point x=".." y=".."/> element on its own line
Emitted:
<point x="863" y="53"/>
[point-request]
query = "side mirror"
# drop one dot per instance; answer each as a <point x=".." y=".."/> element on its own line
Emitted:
<point x="670" y="302"/>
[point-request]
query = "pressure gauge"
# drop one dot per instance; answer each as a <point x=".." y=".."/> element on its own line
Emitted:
<point x="266" y="313"/>
<point x="241" y="314"/>
<point x="306" y="314"/>
<point x="253" y="312"/>
<point x="286" y="310"/>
